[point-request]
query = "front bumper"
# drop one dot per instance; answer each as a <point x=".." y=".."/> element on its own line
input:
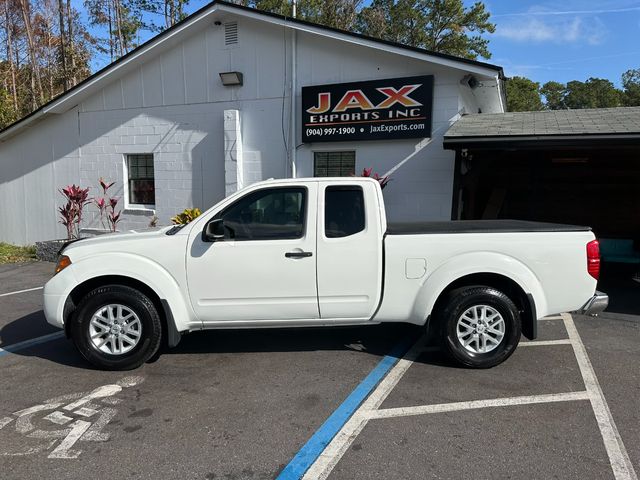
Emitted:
<point x="596" y="304"/>
<point x="55" y="294"/>
<point x="53" y="307"/>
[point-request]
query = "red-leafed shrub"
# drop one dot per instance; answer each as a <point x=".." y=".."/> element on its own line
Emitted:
<point x="71" y="212"/>
<point x="381" y="180"/>
<point x="106" y="204"/>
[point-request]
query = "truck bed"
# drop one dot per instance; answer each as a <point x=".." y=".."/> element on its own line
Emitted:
<point x="479" y="226"/>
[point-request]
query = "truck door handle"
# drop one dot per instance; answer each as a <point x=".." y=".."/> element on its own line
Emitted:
<point x="298" y="254"/>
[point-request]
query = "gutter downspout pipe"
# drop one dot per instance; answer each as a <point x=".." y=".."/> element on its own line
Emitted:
<point x="292" y="116"/>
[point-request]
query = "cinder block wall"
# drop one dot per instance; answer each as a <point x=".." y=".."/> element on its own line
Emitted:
<point x="172" y="104"/>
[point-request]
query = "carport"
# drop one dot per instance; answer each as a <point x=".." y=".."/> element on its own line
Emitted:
<point x="564" y="166"/>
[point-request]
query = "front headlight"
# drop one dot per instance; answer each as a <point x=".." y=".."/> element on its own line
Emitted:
<point x="63" y="262"/>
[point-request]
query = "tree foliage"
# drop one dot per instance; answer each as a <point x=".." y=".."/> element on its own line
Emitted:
<point x="121" y="22"/>
<point x="523" y="95"/>
<point x="554" y="93"/>
<point x="594" y="93"/>
<point x="340" y="14"/>
<point x="46" y="51"/>
<point x="166" y="13"/>
<point x="444" y="26"/>
<point x="631" y="85"/>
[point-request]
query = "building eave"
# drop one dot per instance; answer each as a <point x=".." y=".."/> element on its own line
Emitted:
<point x="468" y="65"/>
<point x="540" y="141"/>
<point x="76" y="94"/>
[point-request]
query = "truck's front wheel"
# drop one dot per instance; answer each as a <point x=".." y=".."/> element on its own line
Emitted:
<point x="481" y="326"/>
<point x="116" y="327"/>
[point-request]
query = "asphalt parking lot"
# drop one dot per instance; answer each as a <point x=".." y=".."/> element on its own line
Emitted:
<point x="334" y="403"/>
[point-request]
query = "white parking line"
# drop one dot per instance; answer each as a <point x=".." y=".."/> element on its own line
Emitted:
<point x="620" y="462"/>
<point x="31" y="342"/>
<point x="475" y="404"/>
<point x="370" y="409"/>
<point x="334" y="451"/>
<point x="545" y="343"/>
<point x="21" y="291"/>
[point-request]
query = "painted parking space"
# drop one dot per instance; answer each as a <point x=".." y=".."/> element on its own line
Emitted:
<point x="228" y="404"/>
<point x="24" y="276"/>
<point x="530" y="441"/>
<point x="458" y="425"/>
<point x="244" y="404"/>
<point x="21" y="317"/>
<point x="616" y="366"/>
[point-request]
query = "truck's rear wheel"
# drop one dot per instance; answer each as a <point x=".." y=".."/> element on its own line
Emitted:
<point x="116" y="327"/>
<point x="481" y="326"/>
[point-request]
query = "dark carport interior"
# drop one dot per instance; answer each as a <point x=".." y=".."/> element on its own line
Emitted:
<point x="580" y="167"/>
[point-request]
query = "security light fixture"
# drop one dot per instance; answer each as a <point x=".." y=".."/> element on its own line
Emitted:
<point x="230" y="79"/>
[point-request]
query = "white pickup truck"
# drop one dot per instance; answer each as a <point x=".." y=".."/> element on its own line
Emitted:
<point x="319" y="252"/>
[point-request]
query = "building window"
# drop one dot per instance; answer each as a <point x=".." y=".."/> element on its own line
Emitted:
<point x="140" y="177"/>
<point x="334" y="164"/>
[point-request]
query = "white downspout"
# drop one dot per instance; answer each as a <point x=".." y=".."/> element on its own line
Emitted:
<point x="293" y="93"/>
<point x="501" y="94"/>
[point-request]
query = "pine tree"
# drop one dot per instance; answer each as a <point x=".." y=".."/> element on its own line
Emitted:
<point x="443" y="26"/>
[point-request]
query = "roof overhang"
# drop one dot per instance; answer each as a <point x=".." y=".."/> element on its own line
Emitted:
<point x="208" y="13"/>
<point x="541" y="141"/>
<point x="471" y="66"/>
<point x="94" y="82"/>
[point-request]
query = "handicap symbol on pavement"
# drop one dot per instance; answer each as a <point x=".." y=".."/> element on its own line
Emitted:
<point x="82" y="415"/>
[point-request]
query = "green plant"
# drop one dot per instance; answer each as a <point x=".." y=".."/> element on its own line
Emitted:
<point x="13" y="253"/>
<point x="186" y="216"/>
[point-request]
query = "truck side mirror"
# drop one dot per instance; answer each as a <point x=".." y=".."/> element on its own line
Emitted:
<point x="213" y="230"/>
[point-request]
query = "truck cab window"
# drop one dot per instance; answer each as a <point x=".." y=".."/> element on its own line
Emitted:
<point x="343" y="211"/>
<point x="270" y="214"/>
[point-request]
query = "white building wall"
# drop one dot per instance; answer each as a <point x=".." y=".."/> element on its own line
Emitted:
<point x="33" y="166"/>
<point x="422" y="187"/>
<point x="172" y="105"/>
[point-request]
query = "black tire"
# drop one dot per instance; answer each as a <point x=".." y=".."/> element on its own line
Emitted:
<point x="132" y="299"/>
<point x="458" y="302"/>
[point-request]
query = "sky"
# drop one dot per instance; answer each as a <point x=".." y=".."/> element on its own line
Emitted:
<point x="545" y="40"/>
<point x="565" y="40"/>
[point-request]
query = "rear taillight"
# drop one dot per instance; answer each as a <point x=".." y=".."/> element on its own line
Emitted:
<point x="593" y="258"/>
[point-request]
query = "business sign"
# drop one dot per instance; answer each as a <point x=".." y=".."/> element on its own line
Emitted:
<point x="373" y="110"/>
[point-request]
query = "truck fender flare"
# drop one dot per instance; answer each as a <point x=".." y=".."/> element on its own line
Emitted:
<point x="147" y="272"/>
<point x="472" y="263"/>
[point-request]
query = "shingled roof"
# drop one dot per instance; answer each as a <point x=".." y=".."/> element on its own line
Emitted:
<point x="589" y="124"/>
